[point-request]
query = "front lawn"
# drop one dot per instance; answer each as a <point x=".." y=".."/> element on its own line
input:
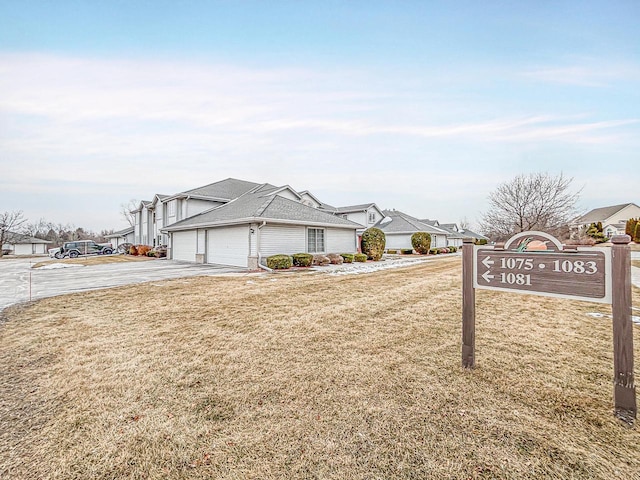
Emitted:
<point x="309" y="376"/>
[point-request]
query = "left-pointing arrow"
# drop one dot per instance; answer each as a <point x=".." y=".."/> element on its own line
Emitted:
<point x="487" y="277"/>
<point x="486" y="262"/>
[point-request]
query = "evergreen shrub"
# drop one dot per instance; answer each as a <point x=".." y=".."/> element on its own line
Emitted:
<point x="373" y="242"/>
<point x="359" y="257"/>
<point x="302" y="259"/>
<point x="421" y="242"/>
<point x="279" y="262"/>
<point x="348" y="257"/>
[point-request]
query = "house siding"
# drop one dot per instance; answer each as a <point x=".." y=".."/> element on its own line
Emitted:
<point x="195" y="206"/>
<point x="287" y="239"/>
<point x="402" y="241"/>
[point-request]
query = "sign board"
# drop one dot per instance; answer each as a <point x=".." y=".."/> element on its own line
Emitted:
<point x="537" y="263"/>
<point x="580" y="275"/>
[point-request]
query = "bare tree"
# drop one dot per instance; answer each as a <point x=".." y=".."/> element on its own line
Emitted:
<point x="464" y="224"/>
<point x="10" y="223"/>
<point x="535" y="201"/>
<point x="127" y="208"/>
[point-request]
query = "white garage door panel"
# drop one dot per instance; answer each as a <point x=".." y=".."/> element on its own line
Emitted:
<point x="184" y="246"/>
<point x="398" y="242"/>
<point x="228" y="246"/>
<point x="341" y="240"/>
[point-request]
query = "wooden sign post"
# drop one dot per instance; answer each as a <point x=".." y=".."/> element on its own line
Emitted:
<point x="537" y="263"/>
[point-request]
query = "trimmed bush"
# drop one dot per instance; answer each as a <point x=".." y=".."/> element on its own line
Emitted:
<point x="433" y="251"/>
<point x="392" y="252"/>
<point x="636" y="237"/>
<point x="372" y="243"/>
<point x="452" y="249"/>
<point x="279" y="262"/>
<point x="133" y="250"/>
<point x="158" y="251"/>
<point x="347" y="257"/>
<point x="335" y="259"/>
<point x="480" y="241"/>
<point x="302" y="259"/>
<point x="359" y="257"/>
<point x="321" y="260"/>
<point x="421" y="242"/>
<point x="407" y="251"/>
<point x="143" y="250"/>
<point x="443" y="250"/>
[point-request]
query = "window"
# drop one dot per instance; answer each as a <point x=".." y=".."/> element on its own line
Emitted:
<point x="372" y="217"/>
<point x="315" y="240"/>
<point x="172" y="208"/>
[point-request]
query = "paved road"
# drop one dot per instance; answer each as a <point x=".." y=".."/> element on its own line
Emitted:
<point x="18" y="281"/>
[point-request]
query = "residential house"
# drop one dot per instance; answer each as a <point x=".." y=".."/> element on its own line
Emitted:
<point x="613" y="218"/>
<point x="366" y="214"/>
<point x="454" y="237"/>
<point x="164" y="210"/>
<point x="121" y="236"/>
<point x="398" y="227"/>
<point x="263" y="221"/>
<point x="457" y="234"/>
<point x="19" y="244"/>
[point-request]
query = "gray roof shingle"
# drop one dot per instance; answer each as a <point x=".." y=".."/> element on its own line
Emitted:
<point x="256" y="206"/>
<point x="403" y="223"/>
<point x="227" y="189"/>
<point x="602" y="213"/>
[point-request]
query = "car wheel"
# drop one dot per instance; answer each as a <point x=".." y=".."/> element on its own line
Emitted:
<point x="107" y="251"/>
<point x="73" y="254"/>
<point x="58" y="255"/>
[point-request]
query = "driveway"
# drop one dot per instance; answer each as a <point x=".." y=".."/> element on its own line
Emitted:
<point x="19" y="282"/>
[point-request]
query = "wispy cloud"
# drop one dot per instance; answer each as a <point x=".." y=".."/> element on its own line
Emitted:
<point x="111" y="125"/>
<point x="588" y="74"/>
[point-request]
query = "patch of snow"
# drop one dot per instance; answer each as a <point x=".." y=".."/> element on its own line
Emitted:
<point x="357" y="268"/>
<point x="56" y="266"/>
<point x="635" y="319"/>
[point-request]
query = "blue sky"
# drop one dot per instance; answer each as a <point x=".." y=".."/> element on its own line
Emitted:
<point x="420" y="106"/>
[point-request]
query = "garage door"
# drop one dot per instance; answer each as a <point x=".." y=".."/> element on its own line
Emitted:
<point x="184" y="246"/>
<point x="228" y="246"/>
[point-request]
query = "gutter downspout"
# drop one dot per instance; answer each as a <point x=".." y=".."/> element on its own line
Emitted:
<point x="264" y="267"/>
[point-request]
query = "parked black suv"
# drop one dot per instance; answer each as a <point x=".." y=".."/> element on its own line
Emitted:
<point x="83" y="247"/>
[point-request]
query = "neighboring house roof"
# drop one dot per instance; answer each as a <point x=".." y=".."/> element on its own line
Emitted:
<point x="451" y="232"/>
<point x="355" y="208"/>
<point x="466" y="233"/>
<point x="224" y="190"/>
<point x="308" y="193"/>
<point x="255" y="207"/>
<point x="120" y="233"/>
<point x="267" y="189"/>
<point x="599" y="214"/>
<point x="449" y="226"/>
<point x="143" y="203"/>
<point x="433" y="223"/>
<point x="399" y="222"/>
<point x="18" y="238"/>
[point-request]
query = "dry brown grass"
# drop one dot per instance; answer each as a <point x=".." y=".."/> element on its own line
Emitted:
<point x="96" y="260"/>
<point x="309" y="376"/>
<point x="635" y="263"/>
